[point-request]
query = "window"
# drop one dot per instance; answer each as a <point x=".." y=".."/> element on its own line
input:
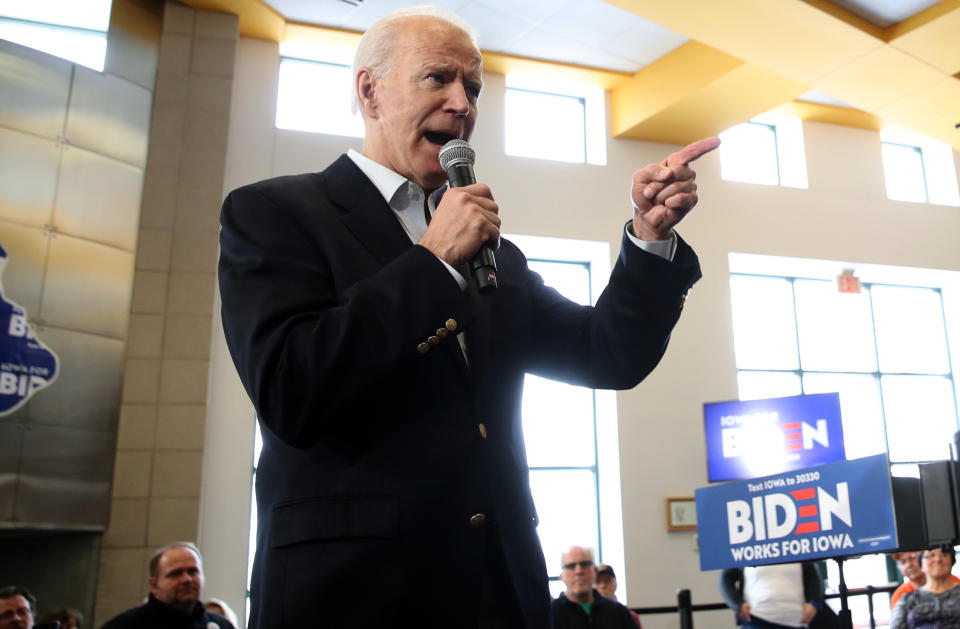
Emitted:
<point x="75" y="30"/>
<point x="315" y="96"/>
<point x="544" y="121"/>
<point x="918" y="169"/>
<point x="767" y="150"/>
<point x="571" y="432"/>
<point x="885" y="350"/>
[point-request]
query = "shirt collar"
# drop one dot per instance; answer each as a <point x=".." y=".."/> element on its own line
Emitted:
<point x="388" y="182"/>
<point x="384" y="179"/>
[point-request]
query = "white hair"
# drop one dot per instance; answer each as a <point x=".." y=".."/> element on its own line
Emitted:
<point x="375" y="50"/>
<point x="586" y="549"/>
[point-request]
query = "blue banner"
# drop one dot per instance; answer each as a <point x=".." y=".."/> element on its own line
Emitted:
<point x="760" y="437"/>
<point x="26" y="364"/>
<point x="831" y="510"/>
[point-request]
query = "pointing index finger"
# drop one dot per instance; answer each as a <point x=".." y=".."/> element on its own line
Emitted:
<point x="693" y="151"/>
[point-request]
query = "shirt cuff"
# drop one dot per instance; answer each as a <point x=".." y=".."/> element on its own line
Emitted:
<point x="665" y="249"/>
<point x="461" y="282"/>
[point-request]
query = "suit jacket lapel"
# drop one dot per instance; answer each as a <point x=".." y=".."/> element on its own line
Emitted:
<point x="366" y="214"/>
<point x="369" y="218"/>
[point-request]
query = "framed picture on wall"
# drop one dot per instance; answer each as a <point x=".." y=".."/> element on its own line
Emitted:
<point x="681" y="514"/>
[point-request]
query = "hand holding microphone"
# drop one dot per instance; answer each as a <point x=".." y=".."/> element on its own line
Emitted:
<point x="466" y="223"/>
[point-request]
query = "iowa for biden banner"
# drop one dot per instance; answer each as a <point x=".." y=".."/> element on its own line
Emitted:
<point x="831" y="510"/>
<point x="759" y="437"/>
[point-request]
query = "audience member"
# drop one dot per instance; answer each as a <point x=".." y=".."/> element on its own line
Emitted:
<point x="936" y="604"/>
<point x="220" y="607"/>
<point x="176" y="583"/>
<point x="913" y="577"/>
<point x="17" y="608"/>
<point x="582" y="605"/>
<point x="773" y="597"/>
<point x="607" y="586"/>
<point x="68" y="617"/>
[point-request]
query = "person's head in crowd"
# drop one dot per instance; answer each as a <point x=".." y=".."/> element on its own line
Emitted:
<point x="606" y="581"/>
<point x="937" y="563"/>
<point x="578" y="573"/>
<point x="220" y="607"/>
<point x="417" y="77"/>
<point x="176" y="575"/>
<point x="68" y="617"/>
<point x="909" y="565"/>
<point x="17" y="607"/>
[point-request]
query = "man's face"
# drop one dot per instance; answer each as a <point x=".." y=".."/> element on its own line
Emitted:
<point x="606" y="585"/>
<point x="15" y="613"/>
<point x="179" y="579"/>
<point x="578" y="572"/>
<point x="909" y="564"/>
<point x="428" y="97"/>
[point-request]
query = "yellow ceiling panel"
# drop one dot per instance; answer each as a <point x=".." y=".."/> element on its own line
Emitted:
<point x="878" y="78"/>
<point x="673" y="77"/>
<point x="935" y="41"/>
<point x="932" y="111"/>
<point x="831" y="114"/>
<point x="730" y="99"/>
<point x="791" y="37"/>
<point x="545" y="70"/>
<point x="257" y="19"/>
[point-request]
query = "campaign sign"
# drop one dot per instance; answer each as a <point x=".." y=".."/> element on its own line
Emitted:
<point x="831" y="510"/>
<point x="26" y="364"/>
<point x="759" y="437"/>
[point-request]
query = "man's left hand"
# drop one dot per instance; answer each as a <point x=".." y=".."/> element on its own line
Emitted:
<point x="809" y="611"/>
<point x="664" y="193"/>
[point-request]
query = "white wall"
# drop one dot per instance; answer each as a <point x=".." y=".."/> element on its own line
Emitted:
<point x="844" y="215"/>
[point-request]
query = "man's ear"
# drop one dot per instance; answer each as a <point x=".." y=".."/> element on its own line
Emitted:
<point x="153" y="585"/>
<point x="367" y="93"/>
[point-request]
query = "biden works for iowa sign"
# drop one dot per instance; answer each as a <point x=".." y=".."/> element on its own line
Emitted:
<point x="831" y="510"/>
<point x="760" y="437"/>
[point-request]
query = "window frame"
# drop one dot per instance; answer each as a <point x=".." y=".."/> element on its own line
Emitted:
<point x="788" y="150"/>
<point x="609" y="511"/>
<point x="897" y="467"/>
<point x="594" y="109"/>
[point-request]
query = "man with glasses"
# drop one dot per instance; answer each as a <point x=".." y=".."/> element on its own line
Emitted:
<point x="17" y="608"/>
<point x="582" y="605"/>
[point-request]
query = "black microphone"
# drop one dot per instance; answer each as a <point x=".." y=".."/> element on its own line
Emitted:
<point x="457" y="158"/>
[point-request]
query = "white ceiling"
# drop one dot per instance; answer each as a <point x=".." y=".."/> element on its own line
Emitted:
<point x="884" y="13"/>
<point x="583" y="32"/>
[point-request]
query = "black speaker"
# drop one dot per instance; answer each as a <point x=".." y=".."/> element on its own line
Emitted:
<point x="908" y="510"/>
<point x="937" y="496"/>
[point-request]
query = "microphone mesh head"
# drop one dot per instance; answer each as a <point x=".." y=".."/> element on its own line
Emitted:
<point x="456" y="152"/>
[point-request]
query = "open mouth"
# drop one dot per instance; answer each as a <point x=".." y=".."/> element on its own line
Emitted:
<point x="438" y="137"/>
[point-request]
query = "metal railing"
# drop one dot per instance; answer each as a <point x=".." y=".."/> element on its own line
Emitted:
<point x="685" y="607"/>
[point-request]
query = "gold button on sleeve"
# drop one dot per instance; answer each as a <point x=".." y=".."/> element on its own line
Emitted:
<point x="433" y="340"/>
<point x="478" y="520"/>
<point x="451" y="325"/>
<point x="423" y="348"/>
<point x="483" y="431"/>
<point x="443" y="333"/>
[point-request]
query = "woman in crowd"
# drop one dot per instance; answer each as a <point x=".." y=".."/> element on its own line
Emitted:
<point x="936" y="605"/>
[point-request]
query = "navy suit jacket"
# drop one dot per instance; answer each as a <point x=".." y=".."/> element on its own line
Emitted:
<point x="374" y="461"/>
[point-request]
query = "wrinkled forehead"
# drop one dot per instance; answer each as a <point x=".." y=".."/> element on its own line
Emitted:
<point x="577" y="554"/>
<point x="425" y="36"/>
<point x="176" y="558"/>
<point x="16" y="601"/>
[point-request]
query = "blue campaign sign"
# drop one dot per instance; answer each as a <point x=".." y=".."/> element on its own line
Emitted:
<point x="831" y="510"/>
<point x="759" y="437"/>
<point x="26" y="364"/>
